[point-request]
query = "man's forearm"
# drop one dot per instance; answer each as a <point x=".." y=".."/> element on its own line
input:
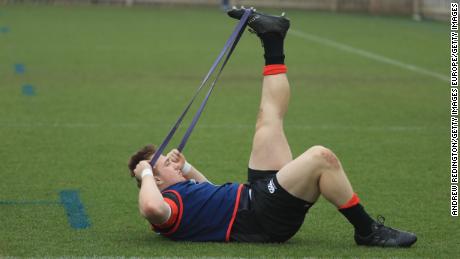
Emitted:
<point x="193" y="173"/>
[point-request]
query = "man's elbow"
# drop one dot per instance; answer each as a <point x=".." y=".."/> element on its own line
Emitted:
<point x="154" y="212"/>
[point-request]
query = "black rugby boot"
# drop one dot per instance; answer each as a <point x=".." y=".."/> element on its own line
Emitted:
<point x="384" y="236"/>
<point x="263" y="23"/>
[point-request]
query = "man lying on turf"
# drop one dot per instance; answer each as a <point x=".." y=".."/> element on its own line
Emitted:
<point x="181" y="204"/>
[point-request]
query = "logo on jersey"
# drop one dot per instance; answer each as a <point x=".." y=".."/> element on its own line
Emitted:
<point x="271" y="186"/>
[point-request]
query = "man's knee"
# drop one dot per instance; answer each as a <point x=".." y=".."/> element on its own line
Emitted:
<point x="269" y="122"/>
<point x="323" y="157"/>
<point x="269" y="118"/>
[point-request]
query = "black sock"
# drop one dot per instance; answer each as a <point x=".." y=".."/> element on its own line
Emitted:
<point x="359" y="218"/>
<point x="274" y="48"/>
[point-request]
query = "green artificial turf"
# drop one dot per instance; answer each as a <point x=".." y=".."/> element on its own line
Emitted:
<point x="108" y="80"/>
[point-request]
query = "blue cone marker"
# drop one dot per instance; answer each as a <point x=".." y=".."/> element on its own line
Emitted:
<point x="28" y="90"/>
<point x="19" y="69"/>
<point x="4" y="29"/>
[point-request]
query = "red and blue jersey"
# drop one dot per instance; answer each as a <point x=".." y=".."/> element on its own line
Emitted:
<point x="200" y="211"/>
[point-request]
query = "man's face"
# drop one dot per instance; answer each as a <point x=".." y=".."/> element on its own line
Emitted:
<point x="168" y="172"/>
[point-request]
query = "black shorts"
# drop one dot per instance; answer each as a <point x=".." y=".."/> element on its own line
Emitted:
<point x="267" y="212"/>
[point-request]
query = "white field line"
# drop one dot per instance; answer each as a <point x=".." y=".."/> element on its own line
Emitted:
<point x="367" y="54"/>
<point x="69" y="125"/>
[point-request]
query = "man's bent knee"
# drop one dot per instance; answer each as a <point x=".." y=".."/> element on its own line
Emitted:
<point x="324" y="156"/>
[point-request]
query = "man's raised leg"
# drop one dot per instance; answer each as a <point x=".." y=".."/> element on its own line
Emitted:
<point x="270" y="148"/>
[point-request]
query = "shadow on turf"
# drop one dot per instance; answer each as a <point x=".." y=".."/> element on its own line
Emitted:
<point x="154" y="238"/>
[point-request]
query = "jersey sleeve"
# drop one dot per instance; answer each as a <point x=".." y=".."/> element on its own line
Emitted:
<point x="174" y="204"/>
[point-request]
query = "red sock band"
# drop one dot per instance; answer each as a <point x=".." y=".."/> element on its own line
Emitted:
<point x="275" y="69"/>
<point x="352" y="202"/>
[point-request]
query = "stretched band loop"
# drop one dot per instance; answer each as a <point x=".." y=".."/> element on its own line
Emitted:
<point x="228" y="48"/>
